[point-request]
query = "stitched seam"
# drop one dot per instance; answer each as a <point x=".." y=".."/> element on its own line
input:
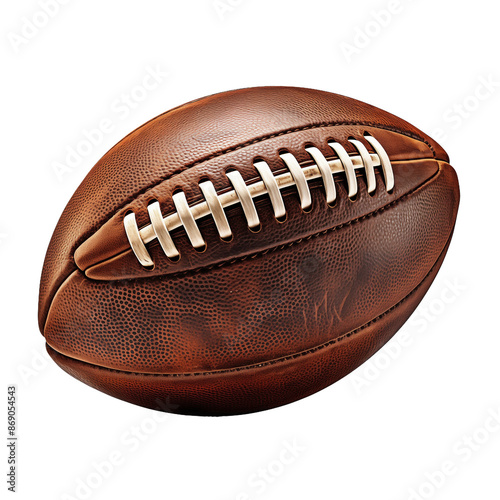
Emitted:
<point x="284" y="194"/>
<point x="357" y="220"/>
<point x="243" y="145"/>
<point x="283" y="359"/>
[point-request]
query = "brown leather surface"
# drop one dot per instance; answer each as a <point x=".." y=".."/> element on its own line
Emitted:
<point x="294" y="286"/>
<point x="188" y="135"/>
<point x="253" y="388"/>
<point x="251" y="310"/>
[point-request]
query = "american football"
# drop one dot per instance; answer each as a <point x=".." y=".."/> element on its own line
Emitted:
<point x="245" y="250"/>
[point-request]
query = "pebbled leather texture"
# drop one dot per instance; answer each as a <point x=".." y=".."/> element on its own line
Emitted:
<point x="206" y="332"/>
<point x="256" y="387"/>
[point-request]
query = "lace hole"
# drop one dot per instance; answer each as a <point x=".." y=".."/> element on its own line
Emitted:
<point x="282" y="219"/>
<point x="308" y="209"/>
<point x="255" y="229"/>
<point x="201" y="249"/>
<point x="203" y="178"/>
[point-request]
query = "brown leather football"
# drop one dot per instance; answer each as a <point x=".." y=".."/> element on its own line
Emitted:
<point x="245" y="250"/>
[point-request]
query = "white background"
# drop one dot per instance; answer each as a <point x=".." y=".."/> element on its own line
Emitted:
<point x="428" y="398"/>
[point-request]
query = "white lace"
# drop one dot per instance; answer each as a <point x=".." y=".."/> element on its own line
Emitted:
<point x="243" y="193"/>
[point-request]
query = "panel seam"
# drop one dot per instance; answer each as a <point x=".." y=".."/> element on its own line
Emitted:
<point x="192" y="272"/>
<point x="272" y="136"/>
